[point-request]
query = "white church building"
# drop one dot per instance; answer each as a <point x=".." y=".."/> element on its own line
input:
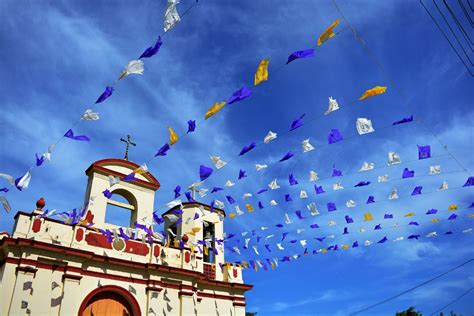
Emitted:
<point x="48" y="267"/>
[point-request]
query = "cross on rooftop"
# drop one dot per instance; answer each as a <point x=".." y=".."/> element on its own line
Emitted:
<point x="128" y="142"/>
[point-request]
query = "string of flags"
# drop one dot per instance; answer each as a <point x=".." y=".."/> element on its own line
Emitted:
<point x="307" y="147"/>
<point x="304" y="242"/>
<point x="136" y="67"/>
<point x="363" y="126"/>
<point x="272" y="263"/>
<point x="393" y="159"/>
<point x="347" y="221"/>
<point x="331" y="206"/>
<point x="261" y="75"/>
<point x="171" y="18"/>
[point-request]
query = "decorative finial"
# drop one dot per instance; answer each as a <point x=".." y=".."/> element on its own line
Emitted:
<point x="128" y="142"/>
<point x="40" y="204"/>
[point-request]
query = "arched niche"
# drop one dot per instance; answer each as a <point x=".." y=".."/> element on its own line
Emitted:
<point x="122" y="208"/>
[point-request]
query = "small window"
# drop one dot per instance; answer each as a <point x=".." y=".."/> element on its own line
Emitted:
<point x="209" y="236"/>
<point x="121" y="209"/>
<point x="172" y="237"/>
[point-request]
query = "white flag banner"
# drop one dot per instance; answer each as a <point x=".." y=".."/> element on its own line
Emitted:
<point x="333" y="106"/>
<point x="364" y="126"/>
<point x="171" y="15"/>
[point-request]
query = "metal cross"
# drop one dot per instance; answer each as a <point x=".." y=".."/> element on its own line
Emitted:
<point x="129" y="142"/>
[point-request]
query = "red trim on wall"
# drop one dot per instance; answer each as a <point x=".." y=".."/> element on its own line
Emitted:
<point x="97" y="240"/>
<point x="72" y="277"/>
<point x="180" y="293"/>
<point x="79" y="234"/>
<point x="239" y="286"/>
<point x="111" y="288"/>
<point x="187" y="287"/>
<point x="26" y="269"/>
<point x="156" y="251"/>
<point x="99" y="166"/>
<point x="239" y="304"/>
<point x="36" y="225"/>
<point x="153" y="288"/>
<point x="136" y="248"/>
<point x="39" y="245"/>
<point x="221" y="296"/>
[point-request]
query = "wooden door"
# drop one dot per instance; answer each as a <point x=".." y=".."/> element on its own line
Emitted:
<point x="108" y="304"/>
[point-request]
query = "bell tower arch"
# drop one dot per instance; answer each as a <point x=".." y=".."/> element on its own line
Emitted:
<point x="136" y="196"/>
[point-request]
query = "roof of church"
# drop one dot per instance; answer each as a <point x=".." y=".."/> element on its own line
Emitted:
<point x="195" y="203"/>
<point x="100" y="166"/>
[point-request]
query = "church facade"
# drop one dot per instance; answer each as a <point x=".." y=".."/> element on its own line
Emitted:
<point x="52" y="267"/>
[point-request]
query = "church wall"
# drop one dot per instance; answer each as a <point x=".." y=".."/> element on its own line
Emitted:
<point x="77" y="279"/>
<point x="7" y="286"/>
<point x="49" y="267"/>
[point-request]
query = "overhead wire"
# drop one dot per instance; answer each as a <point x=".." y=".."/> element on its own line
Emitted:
<point x="452" y="32"/>
<point x="453" y="301"/>
<point x="459" y="25"/>
<point x="468" y="17"/>
<point x="412" y="288"/>
<point x="382" y="69"/>
<point x="447" y="39"/>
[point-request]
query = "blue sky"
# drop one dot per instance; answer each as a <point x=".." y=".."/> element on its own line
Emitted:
<point x="56" y="58"/>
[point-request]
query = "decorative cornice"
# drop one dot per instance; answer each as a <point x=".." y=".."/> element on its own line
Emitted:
<point x="100" y="167"/>
<point x="88" y="255"/>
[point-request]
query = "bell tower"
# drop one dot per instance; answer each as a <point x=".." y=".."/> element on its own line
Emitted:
<point x="137" y="195"/>
<point x="196" y="224"/>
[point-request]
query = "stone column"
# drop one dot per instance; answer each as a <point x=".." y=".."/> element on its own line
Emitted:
<point x="71" y="300"/>
<point x="186" y="303"/>
<point x="21" y="297"/>
<point x="239" y="308"/>
<point x="154" y="301"/>
<point x="7" y="273"/>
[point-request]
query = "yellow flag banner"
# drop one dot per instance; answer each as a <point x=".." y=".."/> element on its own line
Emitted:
<point x="372" y="92"/>
<point x="368" y="217"/>
<point x="214" y="109"/>
<point x="328" y="33"/>
<point x="452" y="207"/>
<point x="173" y="136"/>
<point x="262" y="72"/>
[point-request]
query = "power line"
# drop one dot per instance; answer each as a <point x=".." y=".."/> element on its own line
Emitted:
<point x="374" y="58"/>
<point x="412" y="289"/>
<point x="451" y="44"/>
<point x="452" y="302"/>
<point x="452" y="32"/>
<point x="459" y="25"/>
<point x="468" y="17"/>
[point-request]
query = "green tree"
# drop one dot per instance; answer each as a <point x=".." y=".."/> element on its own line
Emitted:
<point x="409" y="312"/>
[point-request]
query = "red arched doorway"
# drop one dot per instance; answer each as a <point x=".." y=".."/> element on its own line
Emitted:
<point x="109" y="300"/>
